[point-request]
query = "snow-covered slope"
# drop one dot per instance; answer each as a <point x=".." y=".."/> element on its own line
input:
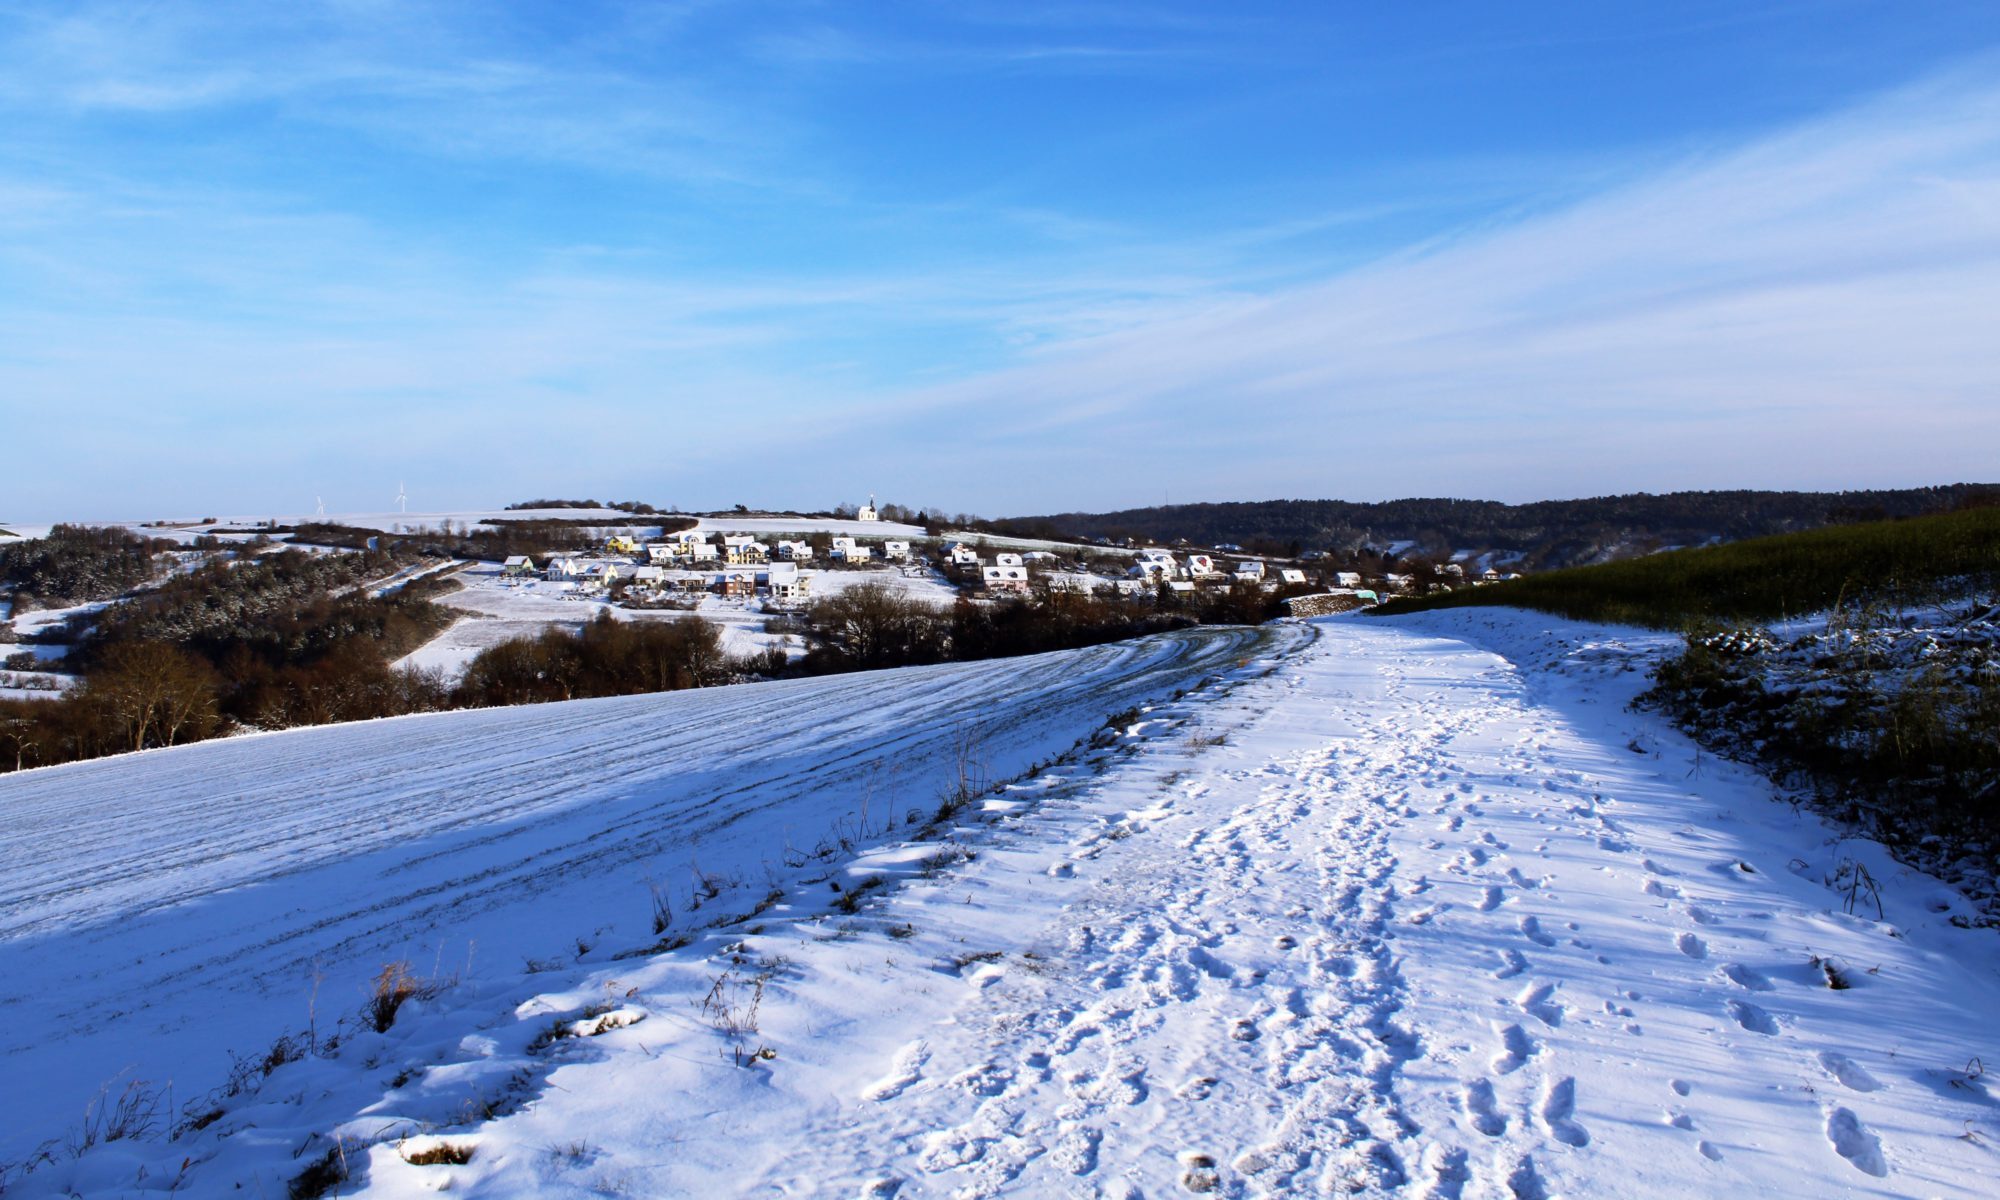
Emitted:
<point x="1419" y="909"/>
<point x="161" y="910"/>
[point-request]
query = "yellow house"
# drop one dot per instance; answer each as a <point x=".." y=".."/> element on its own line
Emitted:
<point x="620" y="543"/>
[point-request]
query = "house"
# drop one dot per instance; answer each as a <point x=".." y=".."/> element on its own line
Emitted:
<point x="1154" y="569"/>
<point x="621" y="543"/>
<point x="787" y="584"/>
<point x="563" y="567"/>
<point x="1250" y="570"/>
<point x="843" y="546"/>
<point x="736" y="585"/>
<point x="846" y="549"/>
<point x="1042" y="556"/>
<point x="896" y="551"/>
<point x="1292" y="575"/>
<point x="1007" y="560"/>
<point x="518" y="565"/>
<point x="741" y="548"/>
<point x="1180" y="587"/>
<point x="1348" y="579"/>
<point x="602" y="574"/>
<point x="689" y="536"/>
<point x="962" y="555"/>
<point x="1006" y="579"/>
<point x="650" y="576"/>
<point x="703" y="551"/>
<point x="1201" y="566"/>
<point x="799" y="551"/>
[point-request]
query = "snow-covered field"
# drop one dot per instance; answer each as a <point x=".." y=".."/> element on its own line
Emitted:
<point x="1409" y="907"/>
<point x="160" y="911"/>
<point x="498" y="609"/>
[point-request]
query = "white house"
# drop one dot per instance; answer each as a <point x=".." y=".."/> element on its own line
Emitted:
<point x="1250" y="569"/>
<point x="703" y="551"/>
<point x="1006" y="579"/>
<point x="517" y="565"/>
<point x="1201" y="566"/>
<point x="787" y="583"/>
<point x="847" y="549"/>
<point x="896" y="551"/>
<point x="1004" y="559"/>
<point x="1180" y="586"/>
<point x="741" y="549"/>
<point x="688" y="537"/>
<point x="963" y="555"/>
<point x="651" y="576"/>
<point x="1347" y="579"/>
<point x="1154" y="569"/>
<point x="1292" y="575"/>
<point x="799" y="551"/>
<point x="564" y="566"/>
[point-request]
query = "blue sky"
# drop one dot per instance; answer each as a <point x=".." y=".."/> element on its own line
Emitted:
<point x="1004" y="258"/>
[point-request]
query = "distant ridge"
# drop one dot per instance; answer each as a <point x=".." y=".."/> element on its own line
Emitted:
<point x="1537" y="535"/>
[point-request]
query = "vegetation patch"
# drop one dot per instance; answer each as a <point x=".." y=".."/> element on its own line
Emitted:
<point x="1884" y="718"/>
<point x="1917" y="561"/>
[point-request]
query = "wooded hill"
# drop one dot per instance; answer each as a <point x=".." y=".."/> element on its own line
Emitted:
<point x="1545" y="534"/>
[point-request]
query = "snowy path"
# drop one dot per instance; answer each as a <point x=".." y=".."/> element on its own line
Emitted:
<point x="1419" y="910"/>
<point x="1416" y="928"/>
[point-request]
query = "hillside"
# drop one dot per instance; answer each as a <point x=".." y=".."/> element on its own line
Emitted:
<point x="216" y="896"/>
<point x="1537" y="536"/>
<point x="1383" y="907"/>
<point x="1763" y="579"/>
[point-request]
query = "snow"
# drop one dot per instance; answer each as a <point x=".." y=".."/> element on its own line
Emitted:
<point x="499" y="609"/>
<point x="789" y="526"/>
<point x="1410" y="906"/>
<point x="209" y="898"/>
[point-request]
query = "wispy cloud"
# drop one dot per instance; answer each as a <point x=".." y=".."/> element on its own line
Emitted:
<point x="1813" y="309"/>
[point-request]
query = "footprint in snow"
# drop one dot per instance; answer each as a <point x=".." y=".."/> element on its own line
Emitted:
<point x="1516" y="1047"/>
<point x="1536" y="1003"/>
<point x="1665" y="891"/>
<point x="1853" y="1142"/>
<point x="1691" y="945"/>
<point x="1747" y="978"/>
<point x="1512" y="963"/>
<point x="1850" y="1073"/>
<point x="1532" y="930"/>
<point x="906" y="1070"/>
<point x="1076" y="1151"/>
<point x="1519" y="880"/>
<point x="1492" y="899"/>
<point x="1559" y="1113"/>
<point x="1752" y="1018"/>
<point x="1481" y="1109"/>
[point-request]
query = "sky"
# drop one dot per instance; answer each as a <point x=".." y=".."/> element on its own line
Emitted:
<point x="1006" y="258"/>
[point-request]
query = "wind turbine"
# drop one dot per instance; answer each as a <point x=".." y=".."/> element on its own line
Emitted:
<point x="402" y="499"/>
<point x="321" y="510"/>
